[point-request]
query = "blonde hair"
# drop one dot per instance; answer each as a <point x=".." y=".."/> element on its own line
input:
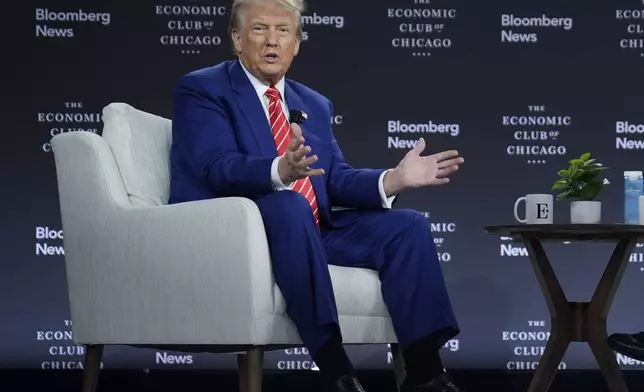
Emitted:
<point x="297" y="6"/>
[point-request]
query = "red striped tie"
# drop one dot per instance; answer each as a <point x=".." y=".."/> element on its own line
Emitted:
<point x="282" y="135"/>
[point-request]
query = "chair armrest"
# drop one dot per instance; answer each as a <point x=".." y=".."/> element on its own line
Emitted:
<point x="196" y="272"/>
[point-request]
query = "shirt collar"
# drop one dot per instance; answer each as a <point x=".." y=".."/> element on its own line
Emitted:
<point x="260" y="87"/>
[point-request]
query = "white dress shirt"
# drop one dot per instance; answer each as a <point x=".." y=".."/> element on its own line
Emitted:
<point x="261" y="89"/>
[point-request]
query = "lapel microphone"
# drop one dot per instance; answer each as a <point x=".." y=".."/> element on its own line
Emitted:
<point x="296" y="116"/>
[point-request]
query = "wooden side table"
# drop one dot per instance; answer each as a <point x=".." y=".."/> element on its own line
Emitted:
<point x="576" y="321"/>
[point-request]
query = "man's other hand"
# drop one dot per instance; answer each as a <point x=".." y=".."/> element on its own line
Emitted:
<point x="294" y="165"/>
<point x="416" y="171"/>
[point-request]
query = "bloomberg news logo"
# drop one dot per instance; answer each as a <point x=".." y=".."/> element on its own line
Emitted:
<point x="164" y="358"/>
<point x="333" y="21"/>
<point x="453" y="345"/>
<point x="408" y="134"/>
<point x="49" y="242"/>
<point x="627" y="139"/>
<point x="62" y="24"/>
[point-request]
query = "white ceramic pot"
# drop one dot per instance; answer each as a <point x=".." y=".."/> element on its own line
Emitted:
<point x="585" y="212"/>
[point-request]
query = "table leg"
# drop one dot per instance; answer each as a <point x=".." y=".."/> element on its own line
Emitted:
<point x="598" y="310"/>
<point x="560" y="317"/>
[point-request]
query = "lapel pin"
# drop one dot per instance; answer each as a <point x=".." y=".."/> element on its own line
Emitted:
<point x="297" y="116"/>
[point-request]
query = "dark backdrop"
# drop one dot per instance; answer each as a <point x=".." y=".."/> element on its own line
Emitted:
<point x="462" y="68"/>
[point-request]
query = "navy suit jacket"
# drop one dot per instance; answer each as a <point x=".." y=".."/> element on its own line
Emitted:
<point x="222" y="144"/>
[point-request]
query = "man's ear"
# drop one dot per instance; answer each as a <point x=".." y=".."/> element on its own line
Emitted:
<point x="237" y="41"/>
<point x="297" y="47"/>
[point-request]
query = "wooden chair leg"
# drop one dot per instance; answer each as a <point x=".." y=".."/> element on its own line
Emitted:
<point x="251" y="369"/>
<point x="92" y="366"/>
<point x="399" y="364"/>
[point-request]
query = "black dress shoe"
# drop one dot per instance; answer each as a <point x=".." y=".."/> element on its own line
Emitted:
<point x="630" y="345"/>
<point x="345" y="384"/>
<point x="442" y="383"/>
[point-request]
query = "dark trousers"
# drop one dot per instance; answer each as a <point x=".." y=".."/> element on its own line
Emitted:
<point x="396" y="243"/>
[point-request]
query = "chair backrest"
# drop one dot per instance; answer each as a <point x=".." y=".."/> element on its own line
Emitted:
<point x="141" y="144"/>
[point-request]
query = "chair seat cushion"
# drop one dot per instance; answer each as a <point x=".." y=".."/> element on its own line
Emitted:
<point x="357" y="293"/>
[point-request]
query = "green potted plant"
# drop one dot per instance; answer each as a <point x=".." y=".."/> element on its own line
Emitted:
<point x="581" y="182"/>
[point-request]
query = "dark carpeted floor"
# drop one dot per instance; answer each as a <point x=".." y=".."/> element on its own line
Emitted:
<point x="202" y="381"/>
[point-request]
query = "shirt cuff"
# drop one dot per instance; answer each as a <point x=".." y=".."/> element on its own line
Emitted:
<point x="386" y="201"/>
<point x="278" y="185"/>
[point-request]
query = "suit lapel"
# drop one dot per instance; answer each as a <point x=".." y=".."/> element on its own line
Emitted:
<point x="293" y="100"/>
<point x="253" y="110"/>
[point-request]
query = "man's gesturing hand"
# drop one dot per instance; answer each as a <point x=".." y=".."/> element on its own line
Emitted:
<point x="294" y="165"/>
<point x="415" y="171"/>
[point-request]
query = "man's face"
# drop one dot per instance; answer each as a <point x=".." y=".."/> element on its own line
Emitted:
<point x="267" y="40"/>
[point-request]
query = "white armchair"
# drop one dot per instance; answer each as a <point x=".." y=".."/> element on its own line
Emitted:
<point x="191" y="277"/>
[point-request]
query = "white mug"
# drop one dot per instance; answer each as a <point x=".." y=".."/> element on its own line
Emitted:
<point x="538" y="209"/>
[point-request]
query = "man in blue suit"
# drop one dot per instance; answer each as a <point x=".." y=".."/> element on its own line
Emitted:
<point x="232" y="137"/>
